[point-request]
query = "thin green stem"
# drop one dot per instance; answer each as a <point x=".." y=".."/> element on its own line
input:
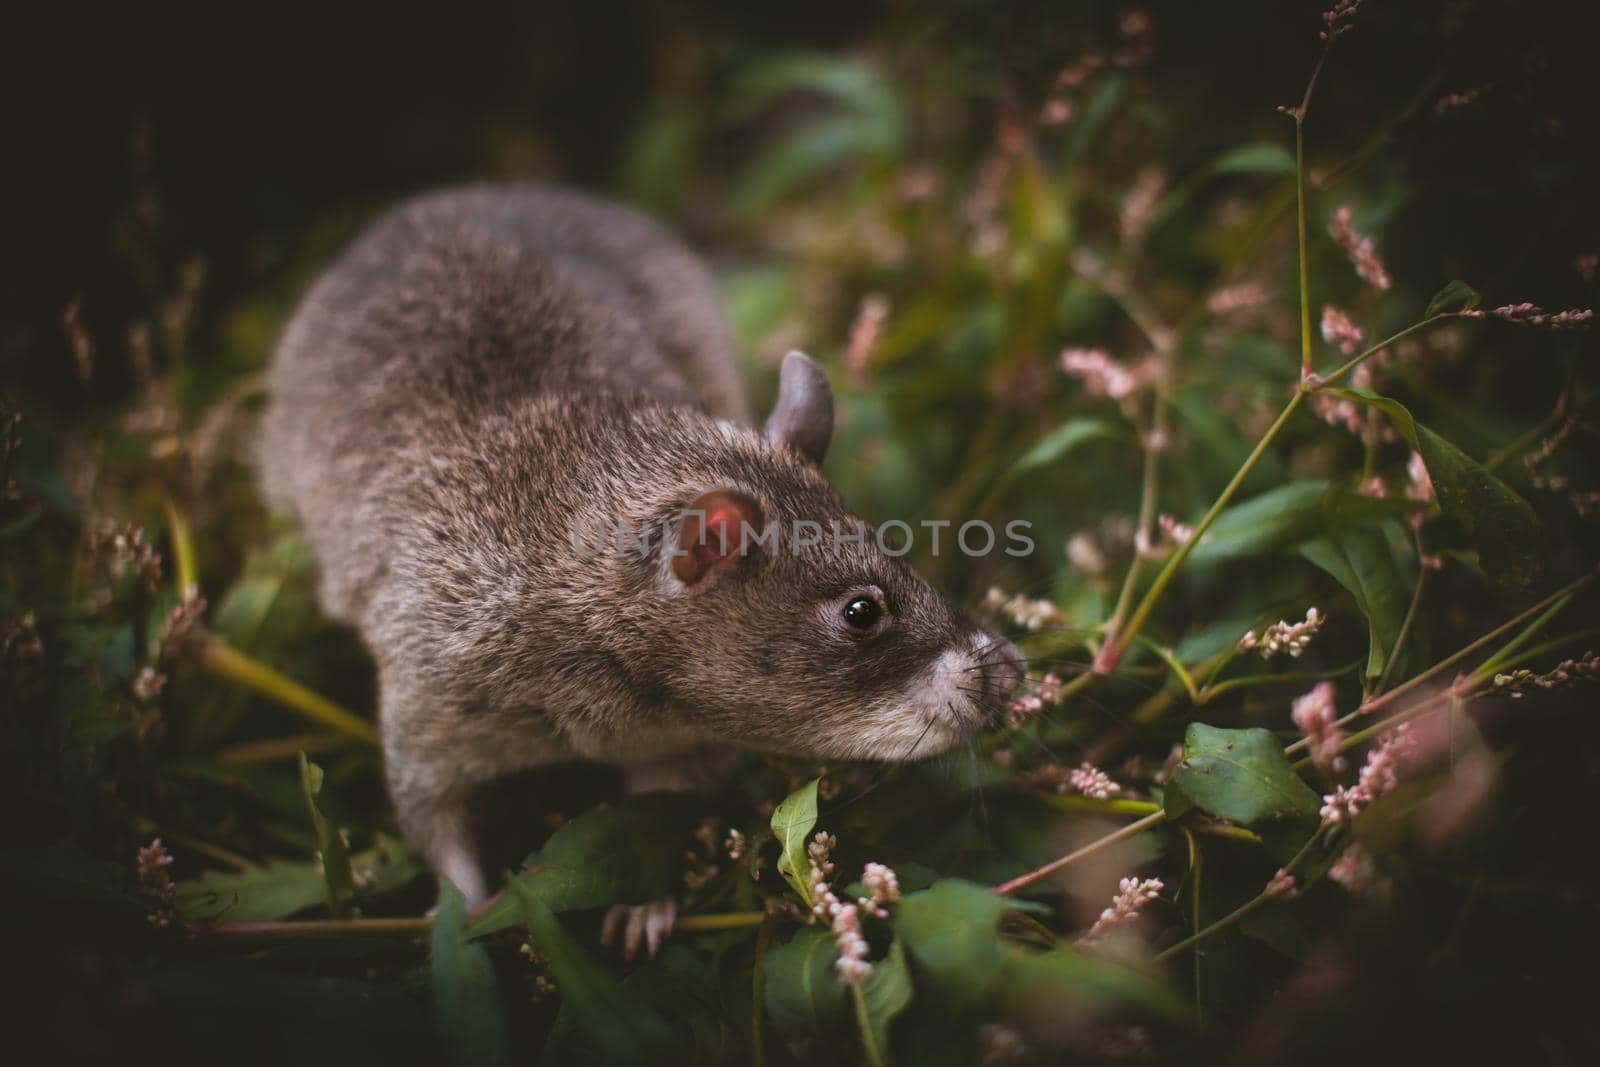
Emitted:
<point x="1167" y="656"/>
<point x="758" y="985"/>
<point x="1356" y="360"/>
<point x="1250" y="681"/>
<point x="869" y="1040"/>
<point x="1117" y="643"/>
<point x="1409" y="621"/>
<point x="1487" y="668"/>
<point x="1239" y="913"/>
<point x="1133" y="829"/>
<point x="1300" y="218"/>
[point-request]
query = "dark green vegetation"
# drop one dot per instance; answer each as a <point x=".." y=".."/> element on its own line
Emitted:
<point x="936" y="204"/>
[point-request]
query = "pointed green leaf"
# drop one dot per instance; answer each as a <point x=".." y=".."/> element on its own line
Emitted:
<point x="1503" y="527"/>
<point x="880" y="1000"/>
<point x="803" y="995"/>
<point x="1241" y="775"/>
<point x="630" y="852"/>
<point x="331" y="848"/>
<point x="792" y="822"/>
<point x="1362" y="562"/>
<point x="1455" y="296"/>
<point x="594" y="1003"/>
<point x="466" y="997"/>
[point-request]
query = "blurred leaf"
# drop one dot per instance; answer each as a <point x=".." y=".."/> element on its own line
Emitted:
<point x="596" y="1007"/>
<point x="1265" y="158"/>
<point x="275" y="891"/>
<point x="1240" y="775"/>
<point x="803" y="995"/>
<point x="1361" y="561"/>
<point x="1057" y="445"/>
<point x="792" y="822"/>
<point x="1502" y="526"/>
<point x="868" y="126"/>
<point x="1455" y="296"/>
<point x="952" y="931"/>
<point x="330" y="845"/>
<point x="1285" y="515"/>
<point x="884" y="996"/>
<point x="466" y="997"/>
<point x="627" y="853"/>
<point x="279" y="890"/>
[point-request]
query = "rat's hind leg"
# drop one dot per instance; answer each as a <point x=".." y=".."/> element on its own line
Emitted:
<point x="438" y="825"/>
<point x="700" y="771"/>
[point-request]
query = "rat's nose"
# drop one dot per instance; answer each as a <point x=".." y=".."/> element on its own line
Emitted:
<point x="1003" y="670"/>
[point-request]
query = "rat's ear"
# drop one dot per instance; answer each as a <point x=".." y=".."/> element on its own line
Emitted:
<point x="714" y="533"/>
<point x="803" y="415"/>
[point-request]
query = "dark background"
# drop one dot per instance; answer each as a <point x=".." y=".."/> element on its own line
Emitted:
<point x="230" y="133"/>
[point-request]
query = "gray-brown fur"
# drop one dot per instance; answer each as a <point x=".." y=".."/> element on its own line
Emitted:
<point x="479" y="370"/>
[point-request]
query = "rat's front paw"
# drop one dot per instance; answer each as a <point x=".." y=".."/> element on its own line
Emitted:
<point x="652" y="922"/>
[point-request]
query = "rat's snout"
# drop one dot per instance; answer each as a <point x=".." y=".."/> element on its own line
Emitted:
<point x="1003" y="670"/>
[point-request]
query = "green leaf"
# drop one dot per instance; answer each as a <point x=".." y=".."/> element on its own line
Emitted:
<point x="881" y="999"/>
<point x="1504" y="529"/>
<point x="952" y="931"/>
<point x="1362" y="562"/>
<point x="330" y="845"/>
<point x="792" y="822"/>
<point x="466" y="997"/>
<point x="1288" y="514"/>
<point x="1056" y="445"/>
<point x="1455" y="296"/>
<point x="593" y="1003"/>
<point x="1265" y="158"/>
<point x="803" y="995"/>
<point x="624" y="853"/>
<point x="275" y="891"/>
<point x="1241" y="775"/>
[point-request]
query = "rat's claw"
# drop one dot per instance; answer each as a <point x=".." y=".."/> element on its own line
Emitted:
<point x="650" y="922"/>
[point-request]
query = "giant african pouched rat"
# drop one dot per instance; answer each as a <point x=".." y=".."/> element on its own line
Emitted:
<point x="487" y="372"/>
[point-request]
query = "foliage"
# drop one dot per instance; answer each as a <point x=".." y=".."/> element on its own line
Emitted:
<point x="936" y="224"/>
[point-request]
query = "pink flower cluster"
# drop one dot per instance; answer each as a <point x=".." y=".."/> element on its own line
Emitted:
<point x="1284" y="636"/>
<point x="1103" y="376"/>
<point x="1091" y="781"/>
<point x="1358" y="246"/>
<point x="882" y="884"/>
<point x="1338" y="329"/>
<point x="1045" y="694"/>
<point x="1354" y="870"/>
<point x="865" y="333"/>
<point x="1337" y="19"/>
<point x="150" y="866"/>
<point x="1317" y="718"/>
<point x="1026" y="612"/>
<point x="1239" y="297"/>
<point x="1526" y="314"/>
<point x="1564" y="675"/>
<point x="1132" y="896"/>
<point x="1379" y="775"/>
<point x="1139" y="207"/>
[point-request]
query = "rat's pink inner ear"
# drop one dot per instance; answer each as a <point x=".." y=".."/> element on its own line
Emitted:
<point x="714" y="533"/>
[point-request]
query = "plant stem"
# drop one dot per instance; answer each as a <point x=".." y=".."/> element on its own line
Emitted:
<point x="1356" y="360"/>
<point x="758" y="985"/>
<point x="1117" y="642"/>
<point x="277" y="748"/>
<point x="317" y="929"/>
<point x="1033" y="877"/>
<point x="1238" y="913"/>
<point x="227" y="662"/>
<point x="1410" y="619"/>
<point x="182" y="549"/>
<point x="733" y="920"/>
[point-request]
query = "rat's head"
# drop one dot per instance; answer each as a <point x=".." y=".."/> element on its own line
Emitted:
<point x="792" y="629"/>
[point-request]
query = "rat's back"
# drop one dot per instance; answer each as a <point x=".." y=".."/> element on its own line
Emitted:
<point x="459" y="306"/>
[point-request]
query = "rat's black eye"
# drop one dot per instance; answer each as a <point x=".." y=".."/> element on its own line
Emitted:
<point x="863" y="613"/>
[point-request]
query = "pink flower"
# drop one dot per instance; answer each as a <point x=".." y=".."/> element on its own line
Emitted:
<point x="1526" y="314"/>
<point x="1338" y="329"/>
<point x="1380" y="775"/>
<point x="1093" y="782"/>
<point x="864" y="334"/>
<point x="1317" y="718"/>
<point x="1237" y="298"/>
<point x="1132" y="896"/>
<point x="1337" y="19"/>
<point x="1103" y="376"/>
<point x="1139" y="207"/>
<point x="1282" y="884"/>
<point x="1354" y="870"/>
<point x="1359" y="247"/>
